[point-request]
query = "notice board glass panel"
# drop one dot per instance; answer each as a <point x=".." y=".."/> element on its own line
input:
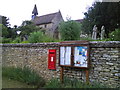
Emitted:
<point x="65" y="55"/>
<point x="81" y="56"/>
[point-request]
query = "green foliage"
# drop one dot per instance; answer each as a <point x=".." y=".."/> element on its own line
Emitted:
<point x="98" y="85"/>
<point x="0" y="39"/>
<point x="5" y="21"/>
<point x="26" y="22"/>
<point x="6" y="40"/>
<point x="27" y="29"/>
<point x="49" y="39"/>
<point x="36" y="37"/>
<point x="102" y="13"/>
<point x="53" y="83"/>
<point x="25" y="42"/>
<point x="69" y="30"/>
<point x="23" y="75"/>
<point x="72" y="83"/>
<point x="115" y="35"/>
<point x="16" y="40"/>
<point x="4" y="31"/>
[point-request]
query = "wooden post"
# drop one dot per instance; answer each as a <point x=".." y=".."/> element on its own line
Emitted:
<point x="87" y="76"/>
<point x="61" y="74"/>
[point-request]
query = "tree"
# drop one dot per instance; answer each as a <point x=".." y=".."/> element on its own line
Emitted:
<point x="102" y="13"/>
<point x="6" y="29"/>
<point x="5" y="21"/>
<point x="69" y="30"/>
<point x="26" y="22"/>
<point x="26" y="28"/>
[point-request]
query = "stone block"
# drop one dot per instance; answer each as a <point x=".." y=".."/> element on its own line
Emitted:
<point x="117" y="74"/>
<point x="109" y="63"/>
<point x="106" y="70"/>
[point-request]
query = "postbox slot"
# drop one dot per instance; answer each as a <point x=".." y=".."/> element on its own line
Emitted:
<point x="51" y="52"/>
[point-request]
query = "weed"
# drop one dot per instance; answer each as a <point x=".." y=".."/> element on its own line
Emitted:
<point x="53" y="83"/>
<point x="72" y="83"/>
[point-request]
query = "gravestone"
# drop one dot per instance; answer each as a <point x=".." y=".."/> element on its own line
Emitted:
<point x="102" y="35"/>
<point x="94" y="34"/>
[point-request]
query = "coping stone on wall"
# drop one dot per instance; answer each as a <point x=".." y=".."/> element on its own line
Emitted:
<point x="51" y="44"/>
<point x="93" y="44"/>
<point x="105" y="44"/>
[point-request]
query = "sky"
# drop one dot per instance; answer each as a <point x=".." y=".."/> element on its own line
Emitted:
<point x="20" y="10"/>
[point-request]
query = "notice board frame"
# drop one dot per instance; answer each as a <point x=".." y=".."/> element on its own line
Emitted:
<point x="74" y="44"/>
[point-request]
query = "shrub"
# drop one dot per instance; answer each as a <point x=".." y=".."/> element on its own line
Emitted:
<point x="17" y="40"/>
<point x="6" y="40"/>
<point x="50" y="39"/>
<point x="36" y="37"/>
<point x="23" y="75"/>
<point x="115" y="35"/>
<point x="69" y="30"/>
<point x="47" y="39"/>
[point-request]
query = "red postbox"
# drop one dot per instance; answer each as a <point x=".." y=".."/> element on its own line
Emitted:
<point x="52" y="59"/>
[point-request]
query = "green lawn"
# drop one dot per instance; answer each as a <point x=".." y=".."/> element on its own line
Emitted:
<point x="8" y="83"/>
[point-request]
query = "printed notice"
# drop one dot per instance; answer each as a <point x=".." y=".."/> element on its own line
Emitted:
<point x="80" y="56"/>
<point x="62" y="55"/>
<point x="68" y="56"/>
<point x="65" y="55"/>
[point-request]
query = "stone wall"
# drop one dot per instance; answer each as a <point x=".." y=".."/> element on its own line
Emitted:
<point x="104" y="61"/>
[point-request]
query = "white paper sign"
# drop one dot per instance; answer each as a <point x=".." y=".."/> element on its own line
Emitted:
<point x="68" y="56"/>
<point x="62" y="55"/>
<point x="65" y="55"/>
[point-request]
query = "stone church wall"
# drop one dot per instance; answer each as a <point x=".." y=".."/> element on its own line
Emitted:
<point x="104" y="61"/>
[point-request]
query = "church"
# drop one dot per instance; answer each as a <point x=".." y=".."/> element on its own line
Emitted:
<point x="49" y="22"/>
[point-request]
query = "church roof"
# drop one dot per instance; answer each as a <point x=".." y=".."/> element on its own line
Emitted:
<point x="35" y="12"/>
<point x="79" y="20"/>
<point x="45" y="19"/>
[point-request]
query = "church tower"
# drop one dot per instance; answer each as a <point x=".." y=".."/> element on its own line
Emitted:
<point x="34" y="12"/>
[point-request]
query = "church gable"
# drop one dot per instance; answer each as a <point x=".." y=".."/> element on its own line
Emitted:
<point x="49" y="22"/>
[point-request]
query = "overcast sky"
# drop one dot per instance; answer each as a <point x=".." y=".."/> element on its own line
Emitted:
<point x="20" y="10"/>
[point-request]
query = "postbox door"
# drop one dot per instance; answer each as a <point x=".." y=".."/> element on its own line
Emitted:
<point x="52" y="59"/>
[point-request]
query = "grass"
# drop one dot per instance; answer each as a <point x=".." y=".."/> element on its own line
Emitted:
<point x="72" y="83"/>
<point x="24" y="75"/>
<point x="25" y="78"/>
<point x="9" y="83"/>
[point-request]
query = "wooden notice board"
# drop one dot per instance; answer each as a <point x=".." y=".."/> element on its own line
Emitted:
<point x="74" y="54"/>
